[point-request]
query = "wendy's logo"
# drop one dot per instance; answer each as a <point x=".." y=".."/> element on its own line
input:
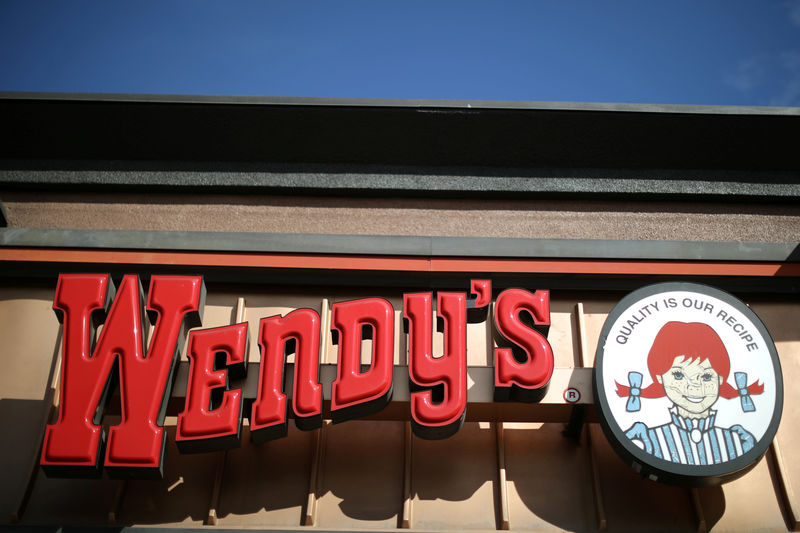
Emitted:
<point x="688" y="384"/>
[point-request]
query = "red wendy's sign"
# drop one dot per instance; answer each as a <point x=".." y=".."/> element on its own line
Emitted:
<point x="77" y="446"/>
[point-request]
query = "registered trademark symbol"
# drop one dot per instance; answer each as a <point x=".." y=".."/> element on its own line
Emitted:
<point x="572" y="395"/>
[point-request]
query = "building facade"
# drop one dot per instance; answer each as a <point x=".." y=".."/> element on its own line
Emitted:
<point x="285" y="204"/>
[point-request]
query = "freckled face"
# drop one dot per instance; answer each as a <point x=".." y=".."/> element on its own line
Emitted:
<point x="693" y="386"/>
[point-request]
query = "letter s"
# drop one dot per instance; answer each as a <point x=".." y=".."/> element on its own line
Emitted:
<point x="524" y="361"/>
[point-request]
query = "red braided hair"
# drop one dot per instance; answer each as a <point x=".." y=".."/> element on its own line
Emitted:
<point x="693" y="340"/>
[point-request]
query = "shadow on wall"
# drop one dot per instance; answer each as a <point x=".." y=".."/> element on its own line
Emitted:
<point x="455" y="484"/>
<point x="270" y="480"/>
<point x="631" y="501"/>
<point x="22" y="422"/>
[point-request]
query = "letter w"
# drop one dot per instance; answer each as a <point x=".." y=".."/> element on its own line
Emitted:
<point x="74" y="445"/>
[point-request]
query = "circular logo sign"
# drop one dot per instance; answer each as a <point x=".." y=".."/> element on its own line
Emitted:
<point x="688" y="384"/>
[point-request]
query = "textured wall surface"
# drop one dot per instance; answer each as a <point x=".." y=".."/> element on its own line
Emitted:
<point x="732" y="221"/>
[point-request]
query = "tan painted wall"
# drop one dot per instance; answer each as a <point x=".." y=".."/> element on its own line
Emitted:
<point x="455" y="482"/>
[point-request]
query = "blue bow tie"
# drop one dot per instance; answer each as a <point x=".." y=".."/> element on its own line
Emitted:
<point x="741" y="384"/>
<point x="635" y="381"/>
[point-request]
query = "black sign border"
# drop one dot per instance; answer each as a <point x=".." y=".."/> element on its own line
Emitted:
<point x="666" y="471"/>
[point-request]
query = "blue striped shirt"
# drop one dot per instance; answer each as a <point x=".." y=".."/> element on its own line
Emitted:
<point x="692" y="441"/>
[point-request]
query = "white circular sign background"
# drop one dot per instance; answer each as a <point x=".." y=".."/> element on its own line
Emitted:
<point x="624" y="346"/>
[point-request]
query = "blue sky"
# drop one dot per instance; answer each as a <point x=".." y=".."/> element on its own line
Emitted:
<point x="678" y="52"/>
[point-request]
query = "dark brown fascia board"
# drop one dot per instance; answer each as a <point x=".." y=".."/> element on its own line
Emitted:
<point x="416" y="134"/>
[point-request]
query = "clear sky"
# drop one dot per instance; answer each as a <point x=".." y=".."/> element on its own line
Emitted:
<point x="724" y="52"/>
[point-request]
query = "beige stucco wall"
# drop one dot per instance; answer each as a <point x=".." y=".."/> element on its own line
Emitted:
<point x="529" y="218"/>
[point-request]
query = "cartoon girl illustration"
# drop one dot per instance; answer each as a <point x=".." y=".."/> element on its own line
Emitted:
<point x="689" y="364"/>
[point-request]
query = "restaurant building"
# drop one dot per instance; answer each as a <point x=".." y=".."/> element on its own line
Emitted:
<point x="282" y="204"/>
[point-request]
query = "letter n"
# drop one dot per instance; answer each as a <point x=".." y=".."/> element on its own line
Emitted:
<point x="297" y="332"/>
<point x="74" y="445"/>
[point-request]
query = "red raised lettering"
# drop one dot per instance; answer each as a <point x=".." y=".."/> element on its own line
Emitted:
<point x="524" y="362"/>
<point x="299" y="332"/>
<point x="438" y="411"/>
<point x="212" y="417"/>
<point x="356" y="393"/>
<point x="73" y="445"/>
